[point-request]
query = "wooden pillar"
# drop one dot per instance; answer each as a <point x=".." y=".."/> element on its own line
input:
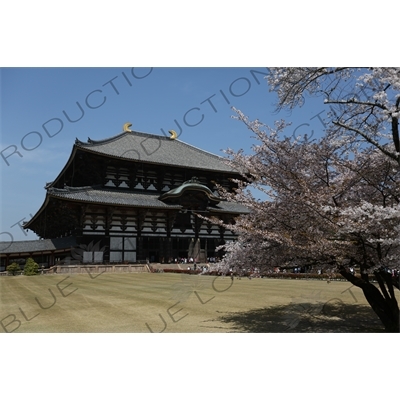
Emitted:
<point x="140" y="248"/>
<point x="165" y="249"/>
<point x="51" y="258"/>
<point x="221" y="240"/>
<point x="140" y="218"/>
<point x="169" y="224"/>
<point x="162" y="256"/>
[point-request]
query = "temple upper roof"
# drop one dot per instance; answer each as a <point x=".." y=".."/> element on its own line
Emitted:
<point x="155" y="149"/>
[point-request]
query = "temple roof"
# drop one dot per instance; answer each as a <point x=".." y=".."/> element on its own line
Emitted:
<point x="115" y="197"/>
<point x="155" y="149"/>
<point x="91" y="194"/>
<point x="95" y="195"/>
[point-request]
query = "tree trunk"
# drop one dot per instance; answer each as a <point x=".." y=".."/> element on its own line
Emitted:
<point x="383" y="303"/>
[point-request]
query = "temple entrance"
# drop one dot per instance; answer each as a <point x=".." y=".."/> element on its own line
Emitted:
<point x="180" y="248"/>
<point x="152" y="249"/>
<point x="198" y="250"/>
<point x="176" y="249"/>
<point x="190" y="248"/>
<point x="154" y="257"/>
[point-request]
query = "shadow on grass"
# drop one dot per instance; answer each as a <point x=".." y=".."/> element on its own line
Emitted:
<point x="333" y="316"/>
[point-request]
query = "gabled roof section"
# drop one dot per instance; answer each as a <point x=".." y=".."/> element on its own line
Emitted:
<point x="191" y="185"/>
<point x="155" y="149"/>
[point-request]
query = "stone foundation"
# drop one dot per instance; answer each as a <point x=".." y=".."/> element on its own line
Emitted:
<point x="98" y="269"/>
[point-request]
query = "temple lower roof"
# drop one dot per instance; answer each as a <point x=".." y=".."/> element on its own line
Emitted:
<point x="91" y="194"/>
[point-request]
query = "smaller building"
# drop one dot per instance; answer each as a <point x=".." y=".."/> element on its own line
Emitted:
<point x="46" y="252"/>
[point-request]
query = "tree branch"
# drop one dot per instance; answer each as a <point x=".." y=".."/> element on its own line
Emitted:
<point x="368" y="139"/>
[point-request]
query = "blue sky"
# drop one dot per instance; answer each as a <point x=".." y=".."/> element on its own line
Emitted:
<point x="196" y="102"/>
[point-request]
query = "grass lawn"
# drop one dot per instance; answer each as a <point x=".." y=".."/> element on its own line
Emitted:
<point x="180" y="303"/>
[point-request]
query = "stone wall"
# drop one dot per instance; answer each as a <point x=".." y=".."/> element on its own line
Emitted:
<point x="98" y="269"/>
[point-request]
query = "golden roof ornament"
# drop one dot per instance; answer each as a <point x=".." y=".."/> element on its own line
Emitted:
<point x="126" y="127"/>
<point x="173" y="134"/>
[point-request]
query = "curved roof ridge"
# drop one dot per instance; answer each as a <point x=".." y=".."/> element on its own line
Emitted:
<point x="68" y="189"/>
<point x="119" y="135"/>
<point x="116" y="137"/>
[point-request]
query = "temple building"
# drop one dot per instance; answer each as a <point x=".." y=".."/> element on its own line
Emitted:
<point x="136" y="197"/>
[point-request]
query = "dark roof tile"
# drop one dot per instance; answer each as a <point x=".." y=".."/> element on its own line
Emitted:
<point x="113" y="197"/>
<point x="28" y="246"/>
<point x="156" y="149"/>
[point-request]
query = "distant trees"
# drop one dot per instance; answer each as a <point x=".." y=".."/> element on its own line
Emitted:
<point x="31" y="267"/>
<point x="13" y="269"/>
<point x="334" y="203"/>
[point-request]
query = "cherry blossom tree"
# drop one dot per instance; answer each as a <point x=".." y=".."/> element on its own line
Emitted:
<point x="331" y="204"/>
<point x="364" y="102"/>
